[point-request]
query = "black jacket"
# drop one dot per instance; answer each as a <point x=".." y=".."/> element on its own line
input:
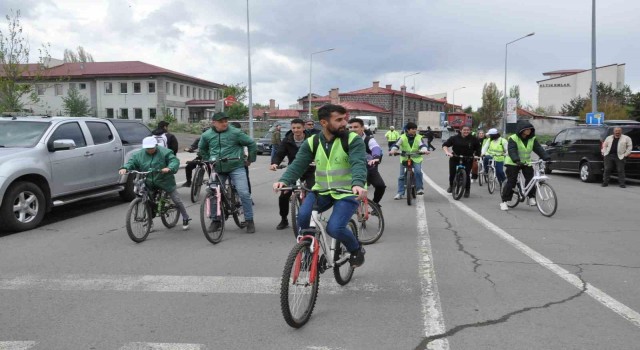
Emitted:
<point x="287" y="148"/>
<point x="512" y="147"/>
<point x="172" y="141"/>
<point x="463" y="146"/>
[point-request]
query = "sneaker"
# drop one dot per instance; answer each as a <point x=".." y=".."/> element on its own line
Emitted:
<point x="449" y="189"/>
<point x="251" y="227"/>
<point x="284" y="223"/>
<point x="398" y="196"/>
<point x="504" y="206"/>
<point x="532" y="201"/>
<point x="215" y="226"/>
<point x="187" y="184"/>
<point x="357" y="258"/>
<point x="623" y="186"/>
<point x="420" y="192"/>
<point x="466" y="194"/>
<point x="604" y="184"/>
<point x="185" y="224"/>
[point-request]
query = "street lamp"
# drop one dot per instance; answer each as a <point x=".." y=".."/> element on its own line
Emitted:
<point x="249" y="87"/>
<point x="404" y="85"/>
<point x="504" y="116"/>
<point x="453" y="100"/>
<point x="310" y="70"/>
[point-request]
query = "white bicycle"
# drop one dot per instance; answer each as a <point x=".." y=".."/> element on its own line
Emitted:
<point x="546" y="199"/>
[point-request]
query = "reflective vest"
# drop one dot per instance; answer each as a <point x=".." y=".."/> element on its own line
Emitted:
<point x="392" y="135"/>
<point x="332" y="170"/>
<point x="404" y="146"/>
<point x="523" y="152"/>
<point x="496" y="149"/>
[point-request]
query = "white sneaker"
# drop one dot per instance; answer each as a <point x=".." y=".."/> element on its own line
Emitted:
<point x="532" y="201"/>
<point x="420" y="192"/>
<point x="503" y="206"/>
<point x="472" y="180"/>
<point x="398" y="196"/>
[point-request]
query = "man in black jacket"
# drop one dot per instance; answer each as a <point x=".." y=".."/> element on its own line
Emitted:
<point x="163" y="132"/>
<point x="463" y="144"/>
<point x="289" y="148"/>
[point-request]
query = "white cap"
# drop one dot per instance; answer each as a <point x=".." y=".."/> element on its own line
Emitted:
<point x="149" y="142"/>
<point x="391" y="127"/>
<point x="492" y="131"/>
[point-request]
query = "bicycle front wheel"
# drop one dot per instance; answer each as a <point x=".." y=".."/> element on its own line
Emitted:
<point x="546" y="199"/>
<point x="371" y="224"/>
<point x="196" y="184"/>
<point x="459" y="184"/>
<point x="515" y="199"/>
<point x="294" y="209"/>
<point x="169" y="214"/>
<point x="481" y="178"/>
<point x="299" y="285"/>
<point x="491" y="181"/>
<point x="342" y="269"/>
<point x="408" y="185"/>
<point x="138" y="220"/>
<point x="212" y="231"/>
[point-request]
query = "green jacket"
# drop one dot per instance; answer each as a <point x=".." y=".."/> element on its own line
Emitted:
<point x="304" y="157"/>
<point x="227" y="144"/>
<point x="162" y="158"/>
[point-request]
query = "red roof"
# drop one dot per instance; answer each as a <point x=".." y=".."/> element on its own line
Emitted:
<point x="524" y="112"/>
<point x="362" y="106"/>
<point x="385" y="91"/>
<point x="285" y="113"/>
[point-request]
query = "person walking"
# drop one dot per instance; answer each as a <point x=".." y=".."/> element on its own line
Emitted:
<point x="429" y="136"/>
<point x="392" y="136"/>
<point x="615" y="149"/>
<point x="164" y="138"/>
<point x="276" y="139"/>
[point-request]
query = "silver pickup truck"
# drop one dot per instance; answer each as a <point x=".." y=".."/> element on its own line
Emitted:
<point x="51" y="161"/>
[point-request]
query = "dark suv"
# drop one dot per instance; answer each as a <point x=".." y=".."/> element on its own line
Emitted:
<point x="577" y="149"/>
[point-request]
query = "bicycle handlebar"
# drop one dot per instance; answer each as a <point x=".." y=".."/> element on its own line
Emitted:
<point x="407" y="154"/>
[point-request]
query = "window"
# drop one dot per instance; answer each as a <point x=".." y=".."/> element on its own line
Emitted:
<point x="396" y="104"/>
<point x="181" y="90"/>
<point x="41" y="89"/>
<point x="175" y="112"/>
<point x="166" y="88"/>
<point x="137" y="88"/>
<point x="181" y="114"/>
<point x="151" y="86"/>
<point x="175" y="89"/>
<point x="124" y="113"/>
<point x="188" y="91"/>
<point x="58" y="88"/>
<point x="573" y="135"/>
<point x="123" y="88"/>
<point x="69" y="131"/>
<point x="83" y="86"/>
<point x="152" y="113"/>
<point x="137" y="113"/>
<point x="210" y="95"/>
<point x="199" y="93"/>
<point x="560" y="138"/>
<point x="109" y="112"/>
<point x="108" y="88"/>
<point x="591" y="136"/>
<point x="131" y="133"/>
<point x="100" y="132"/>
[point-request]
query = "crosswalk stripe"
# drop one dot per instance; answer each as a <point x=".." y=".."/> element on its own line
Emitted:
<point x="162" y="346"/>
<point x="16" y="345"/>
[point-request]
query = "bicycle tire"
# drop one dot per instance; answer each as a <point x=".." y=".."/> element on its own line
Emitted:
<point x="169" y="214"/>
<point x="408" y="186"/>
<point x="196" y="184"/>
<point x="491" y="181"/>
<point x="369" y="231"/>
<point x="212" y="236"/>
<point x="481" y="178"/>
<point x="237" y="210"/>
<point x="141" y="224"/>
<point x="516" y="198"/>
<point x="342" y="270"/>
<point x="294" y="209"/>
<point x="546" y="194"/>
<point x="297" y="294"/>
<point x="459" y="184"/>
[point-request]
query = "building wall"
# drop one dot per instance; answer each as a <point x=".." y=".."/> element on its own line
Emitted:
<point x="550" y="126"/>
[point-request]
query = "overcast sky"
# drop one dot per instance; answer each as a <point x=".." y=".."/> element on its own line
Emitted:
<point x="452" y="43"/>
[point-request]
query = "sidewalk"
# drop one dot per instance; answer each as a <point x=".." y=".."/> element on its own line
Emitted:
<point x="184" y="157"/>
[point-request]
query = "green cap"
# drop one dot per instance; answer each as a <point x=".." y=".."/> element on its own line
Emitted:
<point x="220" y="116"/>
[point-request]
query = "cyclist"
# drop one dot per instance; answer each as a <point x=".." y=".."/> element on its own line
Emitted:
<point x="188" y="170"/>
<point x="462" y="144"/>
<point x="289" y="147"/>
<point x="392" y="136"/>
<point x="152" y="156"/>
<point x="224" y="141"/>
<point x="410" y="141"/>
<point x="519" y="149"/>
<point x="340" y="159"/>
<point x="495" y="148"/>
<point x="374" y="156"/>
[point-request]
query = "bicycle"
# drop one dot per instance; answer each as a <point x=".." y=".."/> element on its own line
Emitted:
<point x="370" y="221"/>
<point x="409" y="176"/>
<point x="310" y="257"/>
<point x="460" y="178"/>
<point x="147" y="205"/>
<point x="198" y="178"/>
<point x="227" y="203"/>
<point x="492" y="180"/>
<point x="481" y="175"/>
<point x="297" y="197"/>
<point x="546" y="199"/>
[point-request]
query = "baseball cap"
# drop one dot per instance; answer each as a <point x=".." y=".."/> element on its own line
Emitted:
<point x="149" y="142"/>
<point x="219" y="116"/>
<point x="492" y="131"/>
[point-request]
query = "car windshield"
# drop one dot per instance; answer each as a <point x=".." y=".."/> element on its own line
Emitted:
<point x="131" y="133"/>
<point x="21" y="133"/>
<point x="634" y="134"/>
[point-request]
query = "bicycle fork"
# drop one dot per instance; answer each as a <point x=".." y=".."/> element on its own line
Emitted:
<point x="315" y="249"/>
<point x="208" y="204"/>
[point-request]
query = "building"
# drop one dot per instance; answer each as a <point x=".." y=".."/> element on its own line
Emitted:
<point x="126" y="90"/>
<point x="564" y="85"/>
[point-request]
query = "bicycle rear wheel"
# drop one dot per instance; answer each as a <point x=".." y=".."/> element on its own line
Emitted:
<point x="515" y="199"/>
<point x="459" y="184"/>
<point x="342" y="270"/>
<point x="237" y="210"/>
<point x="170" y="213"/>
<point x="372" y="227"/>
<point x="491" y="181"/>
<point x="299" y="285"/>
<point x="294" y="209"/>
<point x="138" y="220"/>
<point x="212" y="235"/>
<point x="408" y="185"/>
<point x="196" y="184"/>
<point x="546" y="199"/>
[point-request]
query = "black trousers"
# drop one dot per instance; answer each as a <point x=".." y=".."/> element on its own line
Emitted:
<point x="189" y="169"/>
<point x="512" y="179"/>
<point x="283" y="200"/>
<point x="611" y="160"/>
<point x="453" y="164"/>
<point x="375" y="179"/>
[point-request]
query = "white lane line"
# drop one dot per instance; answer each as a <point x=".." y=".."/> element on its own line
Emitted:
<point x="597" y="294"/>
<point x="16" y="345"/>
<point x="431" y="308"/>
<point x="162" y="346"/>
<point x="179" y="284"/>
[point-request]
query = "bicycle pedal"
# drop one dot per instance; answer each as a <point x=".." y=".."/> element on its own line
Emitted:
<point x="322" y="264"/>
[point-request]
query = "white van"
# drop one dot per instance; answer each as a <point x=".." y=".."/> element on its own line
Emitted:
<point x="370" y="121"/>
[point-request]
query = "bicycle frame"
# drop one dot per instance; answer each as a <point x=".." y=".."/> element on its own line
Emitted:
<point x="538" y="177"/>
<point x="216" y="184"/>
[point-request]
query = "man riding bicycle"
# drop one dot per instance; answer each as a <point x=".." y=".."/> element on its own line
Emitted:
<point x="495" y="147"/>
<point x="224" y="141"/>
<point x="340" y="159"/>
<point x="392" y="136"/>
<point x="374" y="156"/>
<point x="462" y="144"/>
<point x="410" y="142"/>
<point x="520" y="146"/>
<point x="152" y="156"/>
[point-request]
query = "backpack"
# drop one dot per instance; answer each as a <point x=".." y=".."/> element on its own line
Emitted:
<point x="161" y="140"/>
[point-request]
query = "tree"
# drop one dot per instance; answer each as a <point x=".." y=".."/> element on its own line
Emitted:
<point x="633" y="107"/>
<point x="14" y="68"/>
<point x="76" y="105"/>
<point x="574" y="107"/>
<point x="81" y="55"/>
<point x="490" y="112"/>
<point x="239" y="91"/>
<point x="237" y="111"/>
<point x="260" y="106"/>
<point x="514" y="92"/>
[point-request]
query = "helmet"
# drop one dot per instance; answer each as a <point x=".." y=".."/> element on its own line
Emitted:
<point x="492" y="131"/>
<point x="392" y="127"/>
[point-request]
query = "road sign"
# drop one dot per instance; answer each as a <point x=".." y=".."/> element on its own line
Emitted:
<point x="229" y="101"/>
<point x="595" y="118"/>
<point x="512" y="110"/>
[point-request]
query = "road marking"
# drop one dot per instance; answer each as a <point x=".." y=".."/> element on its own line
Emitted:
<point x="162" y="346"/>
<point x="597" y="294"/>
<point x="180" y="284"/>
<point x="431" y="308"/>
<point x="16" y="345"/>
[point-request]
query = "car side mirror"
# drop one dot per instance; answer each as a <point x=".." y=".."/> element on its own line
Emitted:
<point x="62" y="145"/>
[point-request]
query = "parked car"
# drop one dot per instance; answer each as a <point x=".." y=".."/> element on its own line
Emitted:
<point x="577" y="149"/>
<point x="264" y="143"/>
<point x="51" y="161"/>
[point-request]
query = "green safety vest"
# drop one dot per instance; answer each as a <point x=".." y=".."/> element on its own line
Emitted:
<point x="392" y="136"/>
<point x="332" y="170"/>
<point x="496" y="149"/>
<point x="404" y="146"/>
<point x="523" y="152"/>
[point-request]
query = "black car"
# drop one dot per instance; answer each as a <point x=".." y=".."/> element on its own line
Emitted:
<point x="264" y="143"/>
<point x="577" y="149"/>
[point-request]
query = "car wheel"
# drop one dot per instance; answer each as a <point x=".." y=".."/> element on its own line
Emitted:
<point x="23" y="207"/>
<point x="586" y="173"/>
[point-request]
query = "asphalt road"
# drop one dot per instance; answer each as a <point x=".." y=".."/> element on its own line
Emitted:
<point x="447" y="275"/>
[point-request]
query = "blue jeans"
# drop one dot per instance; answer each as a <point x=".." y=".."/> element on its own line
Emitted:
<point x="343" y="210"/>
<point x="239" y="180"/>
<point x="417" y="171"/>
<point x="499" y="169"/>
